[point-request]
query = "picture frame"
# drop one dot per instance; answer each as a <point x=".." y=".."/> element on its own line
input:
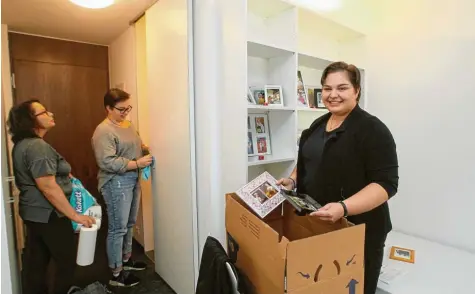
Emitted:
<point x="250" y="97"/>
<point x="314" y="95"/>
<point x="258" y="133"/>
<point x="402" y="254"/>
<point x="259" y="95"/>
<point x="302" y="203"/>
<point x="302" y="97"/>
<point x="262" y="194"/>
<point x="318" y="98"/>
<point x="274" y="95"/>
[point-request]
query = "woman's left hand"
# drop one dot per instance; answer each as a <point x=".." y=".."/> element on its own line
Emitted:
<point x="331" y="212"/>
<point x="145" y="149"/>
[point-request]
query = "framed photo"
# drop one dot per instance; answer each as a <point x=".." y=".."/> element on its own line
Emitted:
<point x="314" y="95"/>
<point x="274" y="95"/>
<point x="250" y="97"/>
<point x="262" y="195"/>
<point x="250" y="144"/>
<point x="302" y="99"/>
<point x="318" y="98"/>
<point x="258" y="135"/>
<point x="402" y="254"/>
<point x="259" y="95"/>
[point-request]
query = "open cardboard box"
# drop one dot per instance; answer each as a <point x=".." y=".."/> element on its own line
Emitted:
<point x="286" y="253"/>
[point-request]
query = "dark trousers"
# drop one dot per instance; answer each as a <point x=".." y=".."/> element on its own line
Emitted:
<point x="374" y="252"/>
<point x="45" y="241"/>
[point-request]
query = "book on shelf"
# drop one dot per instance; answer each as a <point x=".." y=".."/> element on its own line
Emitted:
<point x="262" y="194"/>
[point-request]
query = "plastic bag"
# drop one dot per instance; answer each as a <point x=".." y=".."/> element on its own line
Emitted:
<point x="84" y="203"/>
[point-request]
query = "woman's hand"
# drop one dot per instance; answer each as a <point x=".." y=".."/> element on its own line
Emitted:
<point x="84" y="220"/>
<point x="145" y="149"/>
<point x="331" y="212"/>
<point x="286" y="182"/>
<point x="144" y="161"/>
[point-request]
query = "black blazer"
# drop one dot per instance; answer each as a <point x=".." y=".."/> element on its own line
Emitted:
<point x="361" y="151"/>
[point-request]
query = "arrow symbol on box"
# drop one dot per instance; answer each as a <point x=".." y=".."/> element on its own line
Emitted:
<point x="352" y="286"/>
<point x="307" y="276"/>
<point x="351" y="259"/>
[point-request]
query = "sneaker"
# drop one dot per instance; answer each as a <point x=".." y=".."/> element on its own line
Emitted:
<point x="124" y="279"/>
<point x="133" y="265"/>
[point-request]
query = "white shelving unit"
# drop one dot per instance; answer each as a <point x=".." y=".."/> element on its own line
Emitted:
<point x="284" y="39"/>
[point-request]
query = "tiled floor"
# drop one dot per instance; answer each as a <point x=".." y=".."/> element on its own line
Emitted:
<point x="99" y="271"/>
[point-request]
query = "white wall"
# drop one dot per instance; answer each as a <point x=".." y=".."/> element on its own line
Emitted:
<point x="220" y="59"/>
<point x="122" y="67"/>
<point x="171" y="123"/>
<point x="9" y="268"/>
<point x="421" y="77"/>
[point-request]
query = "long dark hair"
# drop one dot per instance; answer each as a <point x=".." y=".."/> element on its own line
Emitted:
<point x="22" y="121"/>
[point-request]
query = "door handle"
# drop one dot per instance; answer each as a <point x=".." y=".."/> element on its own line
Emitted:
<point x="10" y="200"/>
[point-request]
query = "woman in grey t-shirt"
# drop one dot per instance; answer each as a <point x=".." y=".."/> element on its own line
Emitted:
<point x="43" y="177"/>
<point x="120" y="155"/>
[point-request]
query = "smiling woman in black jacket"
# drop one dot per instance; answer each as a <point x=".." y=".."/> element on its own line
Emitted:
<point x="347" y="162"/>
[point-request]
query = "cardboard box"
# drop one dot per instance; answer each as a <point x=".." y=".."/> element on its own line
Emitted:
<point x="297" y="254"/>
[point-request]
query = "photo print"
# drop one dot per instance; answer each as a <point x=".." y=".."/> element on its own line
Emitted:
<point x="402" y="254"/>
<point x="250" y="145"/>
<point x="261" y="145"/>
<point x="259" y="96"/>
<point x="261" y="194"/>
<point x="260" y="125"/>
<point x="258" y="141"/>
<point x="302" y="99"/>
<point x="274" y="95"/>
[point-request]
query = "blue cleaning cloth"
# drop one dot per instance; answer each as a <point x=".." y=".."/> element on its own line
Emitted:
<point x="147" y="170"/>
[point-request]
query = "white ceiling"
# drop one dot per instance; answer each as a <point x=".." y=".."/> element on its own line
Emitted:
<point x="63" y="19"/>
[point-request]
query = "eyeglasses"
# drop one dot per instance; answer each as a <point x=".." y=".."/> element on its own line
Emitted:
<point x="44" y="112"/>
<point x="124" y="110"/>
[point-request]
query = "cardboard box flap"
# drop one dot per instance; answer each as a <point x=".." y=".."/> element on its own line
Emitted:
<point x="325" y="256"/>
<point x="264" y="249"/>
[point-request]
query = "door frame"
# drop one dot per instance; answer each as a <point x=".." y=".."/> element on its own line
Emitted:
<point x="13" y="264"/>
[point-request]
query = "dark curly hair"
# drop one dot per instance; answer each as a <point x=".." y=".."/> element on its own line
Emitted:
<point x="22" y="121"/>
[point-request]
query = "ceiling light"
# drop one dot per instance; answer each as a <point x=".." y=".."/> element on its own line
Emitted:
<point x="318" y="5"/>
<point x="93" y="4"/>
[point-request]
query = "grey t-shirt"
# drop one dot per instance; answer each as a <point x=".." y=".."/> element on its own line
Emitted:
<point x="114" y="147"/>
<point x="34" y="158"/>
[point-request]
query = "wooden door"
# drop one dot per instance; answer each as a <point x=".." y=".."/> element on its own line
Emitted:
<point x="70" y="79"/>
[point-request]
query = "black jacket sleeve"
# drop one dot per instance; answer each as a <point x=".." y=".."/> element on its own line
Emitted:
<point x="380" y="156"/>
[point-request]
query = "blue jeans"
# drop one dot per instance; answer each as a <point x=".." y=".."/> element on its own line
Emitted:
<point x="122" y="196"/>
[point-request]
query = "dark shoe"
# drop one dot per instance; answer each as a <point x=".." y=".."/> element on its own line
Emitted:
<point x="124" y="279"/>
<point x="133" y="265"/>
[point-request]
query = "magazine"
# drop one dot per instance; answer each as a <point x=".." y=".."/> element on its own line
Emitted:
<point x="262" y="195"/>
